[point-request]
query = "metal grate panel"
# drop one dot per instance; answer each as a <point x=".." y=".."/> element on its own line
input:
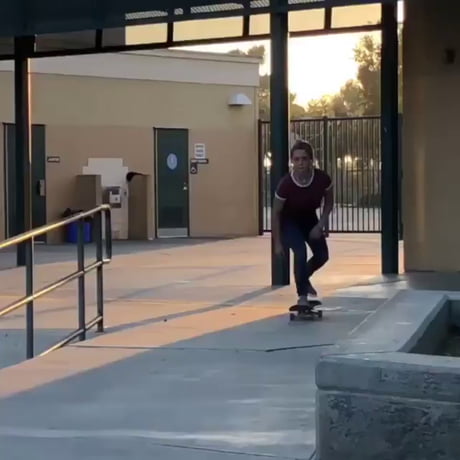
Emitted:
<point x="300" y="2"/>
<point x="260" y="4"/>
<point x="217" y="8"/>
<point x="145" y="15"/>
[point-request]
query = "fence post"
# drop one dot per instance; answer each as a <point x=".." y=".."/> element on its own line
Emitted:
<point x="326" y="159"/>
<point x="81" y="280"/>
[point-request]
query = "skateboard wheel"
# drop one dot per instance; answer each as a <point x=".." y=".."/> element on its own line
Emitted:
<point x="320" y="314"/>
<point x="292" y="316"/>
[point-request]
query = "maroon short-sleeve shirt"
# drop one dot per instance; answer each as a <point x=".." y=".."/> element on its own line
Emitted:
<point x="302" y="201"/>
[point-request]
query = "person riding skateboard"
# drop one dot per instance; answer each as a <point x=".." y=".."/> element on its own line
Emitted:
<point x="295" y="222"/>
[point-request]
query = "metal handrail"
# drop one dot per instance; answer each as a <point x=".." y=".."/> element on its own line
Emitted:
<point x="28" y="300"/>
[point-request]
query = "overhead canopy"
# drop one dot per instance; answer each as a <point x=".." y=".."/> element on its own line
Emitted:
<point x="34" y="17"/>
<point x="64" y="27"/>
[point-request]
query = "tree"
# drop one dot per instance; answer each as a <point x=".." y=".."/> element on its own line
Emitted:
<point x="320" y="107"/>
<point x="255" y="51"/>
<point x="296" y="111"/>
<point x="368" y="57"/>
<point x="360" y="96"/>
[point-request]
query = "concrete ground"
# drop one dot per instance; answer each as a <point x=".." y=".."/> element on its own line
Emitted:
<point x="199" y="360"/>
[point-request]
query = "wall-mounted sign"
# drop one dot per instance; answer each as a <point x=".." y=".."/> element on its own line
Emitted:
<point x="171" y="161"/>
<point x="202" y="161"/>
<point x="53" y="159"/>
<point x="199" y="151"/>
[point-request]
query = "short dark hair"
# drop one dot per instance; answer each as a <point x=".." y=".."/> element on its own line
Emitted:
<point x="305" y="146"/>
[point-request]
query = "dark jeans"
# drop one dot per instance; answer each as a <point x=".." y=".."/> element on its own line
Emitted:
<point x="294" y="237"/>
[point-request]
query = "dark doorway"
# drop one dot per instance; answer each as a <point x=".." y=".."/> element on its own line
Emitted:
<point x="38" y="178"/>
<point x="172" y="195"/>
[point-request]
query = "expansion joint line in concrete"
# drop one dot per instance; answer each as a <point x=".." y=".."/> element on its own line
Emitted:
<point x="300" y="347"/>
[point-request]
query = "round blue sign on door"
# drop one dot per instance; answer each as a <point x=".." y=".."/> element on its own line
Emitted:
<point x="171" y="161"/>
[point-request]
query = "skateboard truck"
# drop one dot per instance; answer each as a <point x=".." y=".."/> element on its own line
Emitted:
<point x="305" y="311"/>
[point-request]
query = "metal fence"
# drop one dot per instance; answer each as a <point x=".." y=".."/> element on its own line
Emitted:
<point x="349" y="150"/>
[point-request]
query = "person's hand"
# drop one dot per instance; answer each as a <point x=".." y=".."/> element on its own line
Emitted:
<point x="316" y="232"/>
<point x="279" y="250"/>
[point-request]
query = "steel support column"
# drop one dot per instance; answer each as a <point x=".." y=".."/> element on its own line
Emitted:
<point x="23" y="48"/>
<point x="279" y="116"/>
<point x="389" y="138"/>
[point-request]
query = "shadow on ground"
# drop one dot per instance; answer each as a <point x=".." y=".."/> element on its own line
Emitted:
<point x="244" y="392"/>
<point x="58" y="253"/>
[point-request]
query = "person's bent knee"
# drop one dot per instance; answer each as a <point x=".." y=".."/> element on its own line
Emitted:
<point x="322" y="258"/>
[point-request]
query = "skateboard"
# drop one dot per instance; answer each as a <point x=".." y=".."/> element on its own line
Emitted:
<point x="306" y="312"/>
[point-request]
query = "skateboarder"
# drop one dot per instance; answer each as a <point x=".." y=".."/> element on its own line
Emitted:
<point x="294" y="218"/>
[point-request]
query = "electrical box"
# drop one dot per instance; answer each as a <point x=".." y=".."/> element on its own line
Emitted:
<point x="114" y="196"/>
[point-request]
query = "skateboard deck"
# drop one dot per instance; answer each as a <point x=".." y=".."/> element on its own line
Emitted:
<point x="306" y="312"/>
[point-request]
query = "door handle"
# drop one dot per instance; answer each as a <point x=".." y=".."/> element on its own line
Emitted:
<point x="41" y="187"/>
<point x="185" y="187"/>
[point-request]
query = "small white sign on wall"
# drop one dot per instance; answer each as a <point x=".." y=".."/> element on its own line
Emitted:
<point x="171" y="161"/>
<point x="199" y="151"/>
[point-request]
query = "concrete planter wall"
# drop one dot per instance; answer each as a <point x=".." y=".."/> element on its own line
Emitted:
<point x="383" y="395"/>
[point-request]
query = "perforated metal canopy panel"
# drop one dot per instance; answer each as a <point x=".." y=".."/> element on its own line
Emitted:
<point x="35" y="17"/>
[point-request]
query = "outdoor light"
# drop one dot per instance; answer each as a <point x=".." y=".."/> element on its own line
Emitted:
<point x="239" y="99"/>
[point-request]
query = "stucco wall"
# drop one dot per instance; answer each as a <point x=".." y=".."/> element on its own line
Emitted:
<point x="2" y="188"/>
<point x="431" y="155"/>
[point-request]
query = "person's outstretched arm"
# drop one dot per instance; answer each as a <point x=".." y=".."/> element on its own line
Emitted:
<point x="327" y="207"/>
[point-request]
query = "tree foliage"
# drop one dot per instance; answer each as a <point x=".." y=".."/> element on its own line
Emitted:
<point x="357" y="97"/>
<point x="296" y="111"/>
<point x="360" y="96"/>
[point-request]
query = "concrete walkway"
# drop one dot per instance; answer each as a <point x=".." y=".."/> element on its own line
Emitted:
<point x="198" y="361"/>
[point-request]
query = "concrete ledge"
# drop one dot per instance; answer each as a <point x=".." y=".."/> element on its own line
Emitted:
<point x="393" y="374"/>
<point x="379" y="397"/>
<point x="398" y="325"/>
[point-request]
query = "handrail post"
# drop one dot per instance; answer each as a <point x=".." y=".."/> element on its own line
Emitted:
<point x="99" y="273"/>
<point x="81" y="280"/>
<point x="108" y="233"/>
<point x="29" y="259"/>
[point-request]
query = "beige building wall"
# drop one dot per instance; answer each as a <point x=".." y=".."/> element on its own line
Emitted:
<point x="2" y="188"/>
<point x="431" y="152"/>
<point x="104" y="116"/>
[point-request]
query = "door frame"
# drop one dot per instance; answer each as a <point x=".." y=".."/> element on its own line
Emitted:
<point x="6" y="178"/>
<point x="5" y="181"/>
<point x="156" y="129"/>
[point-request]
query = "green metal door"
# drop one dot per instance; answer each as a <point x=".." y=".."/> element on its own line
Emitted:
<point x="38" y="178"/>
<point x="172" y="182"/>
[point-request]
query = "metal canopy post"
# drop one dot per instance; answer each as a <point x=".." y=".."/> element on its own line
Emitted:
<point x="23" y="48"/>
<point x="279" y="116"/>
<point x="389" y="139"/>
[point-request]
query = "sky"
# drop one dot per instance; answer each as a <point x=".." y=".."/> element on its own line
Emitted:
<point x="317" y="65"/>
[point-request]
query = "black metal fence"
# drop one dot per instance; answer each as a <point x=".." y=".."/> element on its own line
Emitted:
<point x="349" y="150"/>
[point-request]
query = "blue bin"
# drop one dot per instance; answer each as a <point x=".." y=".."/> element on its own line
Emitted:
<point x="72" y="232"/>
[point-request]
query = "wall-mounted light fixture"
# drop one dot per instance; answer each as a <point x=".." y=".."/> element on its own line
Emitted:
<point x="238" y="100"/>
